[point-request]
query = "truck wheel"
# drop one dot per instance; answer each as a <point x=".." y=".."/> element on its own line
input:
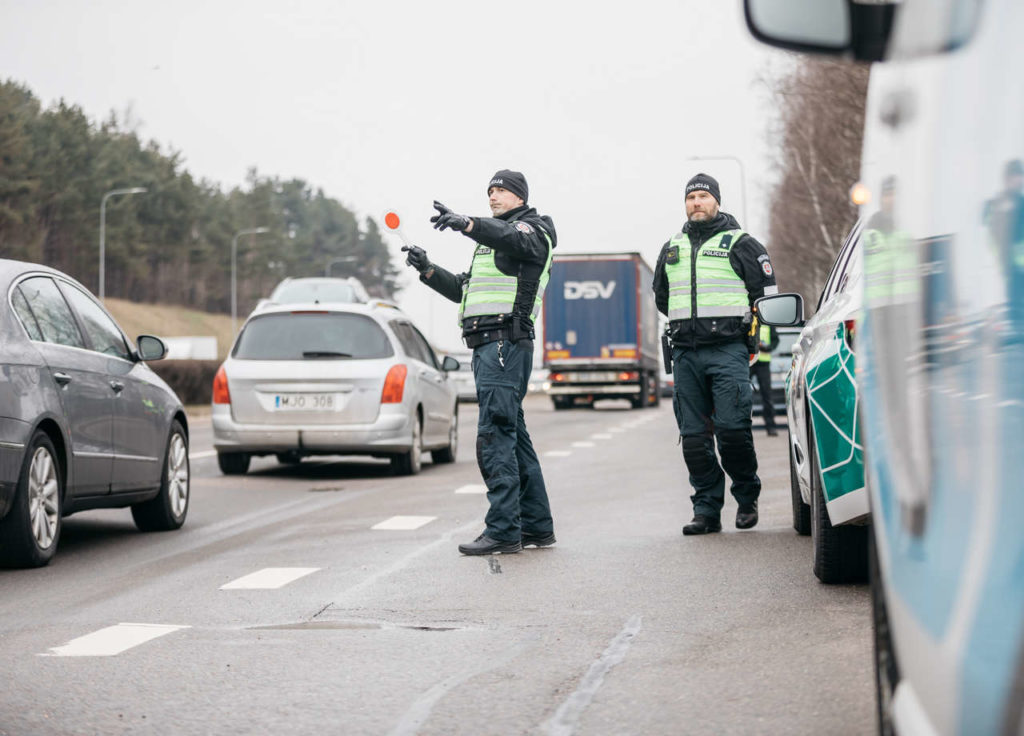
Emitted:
<point x="840" y="552"/>
<point x="561" y="402"/>
<point x="639" y="401"/>
<point x="31" y="529"/>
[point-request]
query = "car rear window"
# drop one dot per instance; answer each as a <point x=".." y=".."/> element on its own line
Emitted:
<point x="315" y="291"/>
<point x="312" y="336"/>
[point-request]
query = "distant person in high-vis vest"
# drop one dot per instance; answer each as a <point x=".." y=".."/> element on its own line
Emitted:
<point x="768" y="340"/>
<point x="500" y="297"/>
<point x="706" y="280"/>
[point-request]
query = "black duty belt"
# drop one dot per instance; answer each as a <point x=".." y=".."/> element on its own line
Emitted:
<point x="476" y="339"/>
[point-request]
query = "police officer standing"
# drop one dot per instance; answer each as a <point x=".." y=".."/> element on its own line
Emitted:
<point x="768" y="340"/>
<point x="706" y="280"/>
<point x="500" y="297"/>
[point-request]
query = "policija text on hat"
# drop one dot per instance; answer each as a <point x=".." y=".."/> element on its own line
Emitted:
<point x="500" y="297"/>
<point x="706" y="280"/>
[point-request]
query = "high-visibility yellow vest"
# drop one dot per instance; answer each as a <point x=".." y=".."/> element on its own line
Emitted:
<point x="765" y="356"/>
<point x="491" y="292"/>
<point x="713" y="288"/>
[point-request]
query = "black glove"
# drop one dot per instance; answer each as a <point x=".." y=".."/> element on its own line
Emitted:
<point x="764" y="347"/>
<point x="445" y="218"/>
<point x="417" y="257"/>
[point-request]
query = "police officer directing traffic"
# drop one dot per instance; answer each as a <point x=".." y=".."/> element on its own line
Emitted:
<point x="500" y="297"/>
<point x="706" y="280"/>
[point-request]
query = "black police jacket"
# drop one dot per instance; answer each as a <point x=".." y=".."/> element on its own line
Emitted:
<point x="520" y="251"/>
<point x="748" y="259"/>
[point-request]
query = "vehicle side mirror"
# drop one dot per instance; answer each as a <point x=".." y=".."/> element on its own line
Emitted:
<point x="150" y="347"/>
<point x="449" y="364"/>
<point x="835" y="27"/>
<point x="780" y="310"/>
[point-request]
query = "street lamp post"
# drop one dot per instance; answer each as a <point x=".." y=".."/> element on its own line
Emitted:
<point x="743" y="177"/>
<point x="103" y="230"/>
<point x="346" y="259"/>
<point x="234" y="286"/>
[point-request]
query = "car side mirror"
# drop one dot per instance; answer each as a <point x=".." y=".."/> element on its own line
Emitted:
<point x="780" y="310"/>
<point x="150" y="347"/>
<point x="449" y="364"/>
<point x="852" y="28"/>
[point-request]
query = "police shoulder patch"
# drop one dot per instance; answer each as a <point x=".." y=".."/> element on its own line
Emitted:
<point x="524" y="227"/>
<point x="762" y="258"/>
<point x="766" y="266"/>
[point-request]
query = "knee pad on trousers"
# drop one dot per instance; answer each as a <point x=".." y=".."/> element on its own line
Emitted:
<point x="700" y="458"/>
<point x="737" y="449"/>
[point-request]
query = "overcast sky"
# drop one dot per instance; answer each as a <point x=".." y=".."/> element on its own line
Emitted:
<point x="390" y="105"/>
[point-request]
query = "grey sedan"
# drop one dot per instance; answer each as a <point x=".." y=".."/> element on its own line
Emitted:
<point x="84" y="422"/>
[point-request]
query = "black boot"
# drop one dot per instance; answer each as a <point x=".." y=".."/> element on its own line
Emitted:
<point x="746" y="516"/>
<point x="538" y="540"/>
<point x="484" y="545"/>
<point x="702" y="525"/>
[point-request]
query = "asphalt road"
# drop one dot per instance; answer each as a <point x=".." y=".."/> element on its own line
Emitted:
<point x="624" y="627"/>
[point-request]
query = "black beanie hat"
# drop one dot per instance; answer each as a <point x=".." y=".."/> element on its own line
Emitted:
<point x="707" y="183"/>
<point x="513" y="181"/>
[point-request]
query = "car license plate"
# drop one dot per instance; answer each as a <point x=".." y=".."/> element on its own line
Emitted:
<point x="304" y="402"/>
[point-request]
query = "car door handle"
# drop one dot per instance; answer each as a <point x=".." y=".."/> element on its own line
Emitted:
<point x="117" y="386"/>
<point x="431" y="375"/>
<point x="62" y="378"/>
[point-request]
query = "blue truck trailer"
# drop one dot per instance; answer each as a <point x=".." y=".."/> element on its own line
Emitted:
<point x="601" y="330"/>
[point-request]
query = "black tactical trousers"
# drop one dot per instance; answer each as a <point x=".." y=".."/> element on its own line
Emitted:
<point x="712" y="400"/>
<point x="510" y="468"/>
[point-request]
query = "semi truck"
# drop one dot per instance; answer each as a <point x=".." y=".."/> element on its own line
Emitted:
<point x="601" y="330"/>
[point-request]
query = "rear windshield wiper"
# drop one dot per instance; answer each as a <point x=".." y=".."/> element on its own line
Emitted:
<point x="324" y="354"/>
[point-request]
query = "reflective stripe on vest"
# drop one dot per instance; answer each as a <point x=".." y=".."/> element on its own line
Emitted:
<point x="720" y="292"/>
<point x="766" y="337"/>
<point x="491" y="292"/>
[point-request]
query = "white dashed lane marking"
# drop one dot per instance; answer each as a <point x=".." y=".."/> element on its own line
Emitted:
<point x="112" y="640"/>
<point x="269" y="578"/>
<point x="601" y="436"/>
<point x="557" y="453"/>
<point x="475" y="488"/>
<point x="582" y="444"/>
<point x="200" y="455"/>
<point x="403" y="523"/>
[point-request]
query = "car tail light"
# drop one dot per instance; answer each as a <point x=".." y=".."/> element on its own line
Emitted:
<point x="394" y="385"/>
<point x="629" y="375"/>
<point x="221" y="395"/>
<point x="850" y="326"/>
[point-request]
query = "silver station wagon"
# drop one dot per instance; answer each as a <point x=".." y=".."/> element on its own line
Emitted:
<point x="334" y="379"/>
<point x="84" y="422"/>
